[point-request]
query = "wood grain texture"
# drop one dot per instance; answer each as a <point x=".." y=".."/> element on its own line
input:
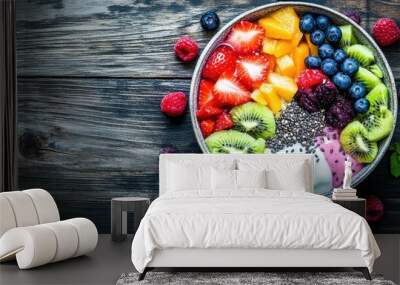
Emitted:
<point x="125" y="38"/>
<point x="88" y="140"/>
<point x="91" y="76"/>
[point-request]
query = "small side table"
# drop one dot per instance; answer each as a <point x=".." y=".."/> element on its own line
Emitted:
<point x="119" y="209"/>
<point x="357" y="205"/>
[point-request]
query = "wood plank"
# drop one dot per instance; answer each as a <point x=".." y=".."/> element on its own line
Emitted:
<point x="387" y="9"/>
<point x="128" y="39"/>
<point x="88" y="140"/>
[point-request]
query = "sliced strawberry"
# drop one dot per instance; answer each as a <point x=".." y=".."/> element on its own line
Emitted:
<point x="252" y="70"/>
<point x="208" y="111"/>
<point x="223" y="122"/>
<point x="309" y="78"/>
<point x="229" y="92"/>
<point x="246" y="37"/>
<point x="205" y="93"/>
<point x="221" y="60"/>
<point x="207" y="127"/>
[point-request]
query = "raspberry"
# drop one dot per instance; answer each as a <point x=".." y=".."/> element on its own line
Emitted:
<point x="309" y="78"/>
<point x="174" y="104"/>
<point x="186" y="49"/>
<point x="386" y="32"/>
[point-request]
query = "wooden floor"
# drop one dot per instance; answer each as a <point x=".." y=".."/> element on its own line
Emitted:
<point x="103" y="266"/>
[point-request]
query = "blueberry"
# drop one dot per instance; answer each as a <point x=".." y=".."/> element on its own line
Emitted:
<point x="361" y="105"/>
<point x="350" y="66"/>
<point x="323" y="22"/>
<point x="209" y="21"/>
<point x="307" y="23"/>
<point x="312" y="62"/>
<point x="339" y="55"/>
<point x="333" y="34"/>
<point x="317" y="37"/>
<point x="357" y="90"/>
<point x="329" y="66"/>
<point x="342" y="81"/>
<point x="326" y="51"/>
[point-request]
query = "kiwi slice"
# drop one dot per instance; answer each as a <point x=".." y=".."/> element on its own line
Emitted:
<point x="348" y="37"/>
<point x="376" y="70"/>
<point x="363" y="54"/>
<point x="378" y="97"/>
<point x="354" y="141"/>
<point x="365" y="76"/>
<point x="378" y="124"/>
<point x="232" y="141"/>
<point x="254" y="119"/>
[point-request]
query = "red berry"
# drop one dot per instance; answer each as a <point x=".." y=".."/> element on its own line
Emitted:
<point x="252" y="70"/>
<point x="386" y="31"/>
<point x="205" y="93"/>
<point x="224" y="121"/>
<point x="309" y="78"/>
<point x="186" y="49"/>
<point x="174" y="104"/>
<point x="207" y="127"/>
<point x="230" y="92"/>
<point x="245" y="37"/>
<point x="208" y="111"/>
<point x="223" y="59"/>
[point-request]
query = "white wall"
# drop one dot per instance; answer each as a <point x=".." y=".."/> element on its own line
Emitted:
<point x="389" y="262"/>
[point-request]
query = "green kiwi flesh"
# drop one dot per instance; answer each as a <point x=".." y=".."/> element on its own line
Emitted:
<point x="377" y="97"/>
<point x="232" y="141"/>
<point x="378" y="124"/>
<point x="363" y="54"/>
<point x="348" y="37"/>
<point x="366" y="77"/>
<point x="376" y="70"/>
<point x="354" y="141"/>
<point x="254" y="119"/>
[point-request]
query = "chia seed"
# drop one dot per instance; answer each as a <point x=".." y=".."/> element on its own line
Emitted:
<point x="296" y="125"/>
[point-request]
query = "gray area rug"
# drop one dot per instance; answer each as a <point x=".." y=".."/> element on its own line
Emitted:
<point x="243" y="278"/>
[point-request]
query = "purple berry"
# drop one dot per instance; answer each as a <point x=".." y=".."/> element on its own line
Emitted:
<point x="308" y="100"/>
<point x="354" y="15"/>
<point x="340" y="113"/>
<point x="326" y="93"/>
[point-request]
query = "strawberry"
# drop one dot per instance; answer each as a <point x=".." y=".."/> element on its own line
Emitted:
<point x="252" y="70"/>
<point x="386" y="32"/>
<point x="207" y="127"/>
<point x="229" y="92"/>
<point x="246" y="37"/>
<point x="208" y="111"/>
<point x="221" y="60"/>
<point x="224" y="121"/>
<point x="309" y="78"/>
<point x="205" y="93"/>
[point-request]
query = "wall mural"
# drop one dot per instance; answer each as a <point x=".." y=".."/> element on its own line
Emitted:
<point x="99" y="130"/>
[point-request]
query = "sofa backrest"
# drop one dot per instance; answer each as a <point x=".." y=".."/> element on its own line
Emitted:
<point x="230" y="161"/>
<point x="26" y="208"/>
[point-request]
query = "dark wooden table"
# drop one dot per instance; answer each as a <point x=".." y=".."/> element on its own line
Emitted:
<point x="90" y="78"/>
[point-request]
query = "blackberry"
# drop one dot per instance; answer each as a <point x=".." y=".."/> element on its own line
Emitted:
<point x="340" y="113"/>
<point x="326" y="93"/>
<point x="308" y="100"/>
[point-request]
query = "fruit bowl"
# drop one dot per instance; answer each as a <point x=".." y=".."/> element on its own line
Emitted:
<point x="328" y="144"/>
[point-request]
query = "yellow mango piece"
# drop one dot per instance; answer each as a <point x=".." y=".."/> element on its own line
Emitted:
<point x="299" y="55"/>
<point x="286" y="65"/>
<point x="283" y="47"/>
<point x="271" y="97"/>
<point x="288" y="17"/>
<point x="313" y="48"/>
<point x="257" y="96"/>
<point x="275" y="30"/>
<point x="269" y="45"/>
<point x="297" y="38"/>
<point x="284" y="85"/>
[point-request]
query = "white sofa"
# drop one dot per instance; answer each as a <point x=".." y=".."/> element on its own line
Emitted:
<point x="31" y="231"/>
